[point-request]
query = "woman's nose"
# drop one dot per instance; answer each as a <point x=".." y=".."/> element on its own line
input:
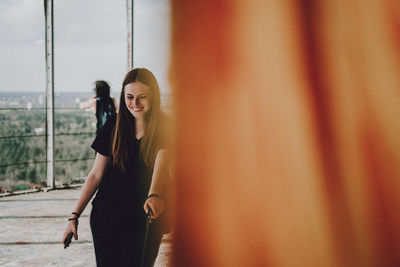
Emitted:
<point x="136" y="101"/>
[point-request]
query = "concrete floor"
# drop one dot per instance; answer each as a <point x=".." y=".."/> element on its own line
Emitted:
<point x="31" y="227"/>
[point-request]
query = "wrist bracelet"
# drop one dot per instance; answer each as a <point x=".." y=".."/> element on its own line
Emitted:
<point x="77" y="214"/>
<point x="74" y="219"/>
<point x="153" y="195"/>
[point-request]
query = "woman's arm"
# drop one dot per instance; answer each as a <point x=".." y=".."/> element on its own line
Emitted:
<point x="92" y="182"/>
<point x="158" y="183"/>
<point x="89" y="188"/>
<point x="91" y="103"/>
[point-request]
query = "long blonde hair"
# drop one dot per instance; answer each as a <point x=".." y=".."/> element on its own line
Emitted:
<point x="124" y="131"/>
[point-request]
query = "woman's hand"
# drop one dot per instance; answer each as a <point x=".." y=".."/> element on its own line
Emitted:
<point x="156" y="204"/>
<point x="72" y="227"/>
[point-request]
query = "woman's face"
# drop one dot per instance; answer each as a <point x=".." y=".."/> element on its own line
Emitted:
<point x="137" y="99"/>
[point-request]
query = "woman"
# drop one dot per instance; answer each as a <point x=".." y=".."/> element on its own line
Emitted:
<point x="102" y="104"/>
<point x="131" y="174"/>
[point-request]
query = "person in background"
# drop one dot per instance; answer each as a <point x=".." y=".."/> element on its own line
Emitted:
<point x="102" y="104"/>
<point x="131" y="176"/>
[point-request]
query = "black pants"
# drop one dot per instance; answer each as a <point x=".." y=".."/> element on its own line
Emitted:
<point x="119" y="241"/>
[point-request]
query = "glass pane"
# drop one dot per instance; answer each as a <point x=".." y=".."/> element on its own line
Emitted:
<point x="22" y="117"/>
<point x="89" y="45"/>
<point x="152" y="42"/>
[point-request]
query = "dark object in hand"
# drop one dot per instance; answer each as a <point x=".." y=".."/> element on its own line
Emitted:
<point x="149" y="215"/>
<point x="68" y="240"/>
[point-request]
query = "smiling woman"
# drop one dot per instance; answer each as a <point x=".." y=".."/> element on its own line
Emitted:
<point x="131" y="174"/>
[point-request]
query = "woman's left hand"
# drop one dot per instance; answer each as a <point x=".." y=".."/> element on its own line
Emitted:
<point x="156" y="204"/>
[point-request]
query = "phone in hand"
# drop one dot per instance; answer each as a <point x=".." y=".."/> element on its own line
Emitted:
<point x="149" y="215"/>
<point x="68" y="240"/>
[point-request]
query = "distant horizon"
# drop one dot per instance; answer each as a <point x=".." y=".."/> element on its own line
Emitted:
<point x="68" y="92"/>
<point x="81" y="92"/>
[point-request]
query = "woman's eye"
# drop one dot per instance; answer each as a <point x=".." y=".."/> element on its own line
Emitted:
<point x="143" y="96"/>
<point x="129" y="97"/>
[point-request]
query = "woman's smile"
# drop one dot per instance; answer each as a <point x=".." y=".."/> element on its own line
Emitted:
<point x="138" y="109"/>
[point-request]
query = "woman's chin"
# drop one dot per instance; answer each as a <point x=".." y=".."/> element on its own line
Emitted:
<point x="138" y="115"/>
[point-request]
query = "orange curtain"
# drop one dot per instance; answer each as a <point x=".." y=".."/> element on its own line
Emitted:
<point x="288" y="133"/>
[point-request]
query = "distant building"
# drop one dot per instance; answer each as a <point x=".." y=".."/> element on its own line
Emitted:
<point x="39" y="130"/>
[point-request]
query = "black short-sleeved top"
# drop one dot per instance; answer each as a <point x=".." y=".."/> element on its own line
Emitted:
<point x="122" y="193"/>
<point x="105" y="109"/>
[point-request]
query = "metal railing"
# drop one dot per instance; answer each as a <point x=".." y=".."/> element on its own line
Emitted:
<point x="60" y="134"/>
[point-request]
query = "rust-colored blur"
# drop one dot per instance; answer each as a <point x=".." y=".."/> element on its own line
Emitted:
<point x="288" y="132"/>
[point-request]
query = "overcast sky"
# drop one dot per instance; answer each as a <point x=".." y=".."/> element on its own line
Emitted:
<point x="90" y="43"/>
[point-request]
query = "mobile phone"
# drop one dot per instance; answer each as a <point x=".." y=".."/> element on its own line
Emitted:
<point x="149" y="215"/>
<point x="68" y="240"/>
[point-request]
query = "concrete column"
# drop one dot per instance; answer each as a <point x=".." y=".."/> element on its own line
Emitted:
<point x="48" y="7"/>
<point x="129" y="16"/>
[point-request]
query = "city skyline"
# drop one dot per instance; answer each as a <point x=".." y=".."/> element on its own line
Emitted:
<point x="62" y="100"/>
